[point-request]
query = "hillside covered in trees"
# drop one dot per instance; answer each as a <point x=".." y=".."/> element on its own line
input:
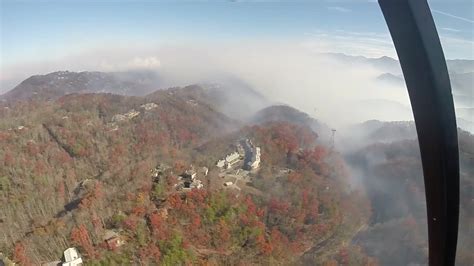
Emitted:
<point x="99" y="172"/>
<point x="391" y="173"/>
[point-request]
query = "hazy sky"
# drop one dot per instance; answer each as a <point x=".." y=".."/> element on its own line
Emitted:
<point x="38" y="33"/>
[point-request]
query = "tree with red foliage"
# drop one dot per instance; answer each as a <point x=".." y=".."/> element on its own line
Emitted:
<point x="195" y="222"/>
<point x="92" y="197"/>
<point x="224" y="234"/>
<point x="252" y="214"/>
<point x="80" y="237"/>
<point x="131" y="222"/>
<point x="344" y="256"/>
<point x="97" y="223"/>
<point x="331" y="263"/>
<point x="295" y="177"/>
<point x="198" y="196"/>
<point x="251" y="207"/>
<point x="150" y="252"/>
<point x="40" y="168"/>
<point x="319" y="153"/>
<point x="278" y="206"/>
<point x="314" y="156"/>
<point x="156" y="223"/>
<point x="98" y="191"/>
<point x="280" y="242"/>
<point x="175" y="201"/>
<point x="179" y="166"/>
<point x="19" y="254"/>
<point x="61" y="191"/>
<point x="265" y="247"/>
<point x="8" y="159"/>
<point x="63" y="157"/>
<point x="139" y="210"/>
<point x="85" y="202"/>
<point x="32" y="149"/>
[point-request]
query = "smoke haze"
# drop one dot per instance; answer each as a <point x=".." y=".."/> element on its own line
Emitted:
<point x="291" y="73"/>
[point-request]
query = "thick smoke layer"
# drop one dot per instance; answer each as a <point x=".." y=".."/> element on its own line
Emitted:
<point x="291" y="73"/>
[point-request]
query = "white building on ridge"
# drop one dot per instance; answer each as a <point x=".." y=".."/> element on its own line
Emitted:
<point x="72" y="257"/>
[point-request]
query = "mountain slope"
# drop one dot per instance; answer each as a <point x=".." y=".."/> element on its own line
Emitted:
<point x="285" y="113"/>
<point x="235" y="100"/>
<point x="388" y="166"/>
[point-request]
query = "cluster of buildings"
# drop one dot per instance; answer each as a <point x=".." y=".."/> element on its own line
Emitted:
<point x="246" y="150"/>
<point x="18" y="128"/>
<point x="131" y="114"/>
<point x="71" y="256"/>
<point x="230" y="160"/>
<point x="192" y="102"/>
<point x="188" y="180"/>
<point x="127" y="116"/>
<point x="149" y="106"/>
<point x="252" y="155"/>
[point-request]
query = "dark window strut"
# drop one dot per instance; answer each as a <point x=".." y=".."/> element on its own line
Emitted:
<point x="424" y="67"/>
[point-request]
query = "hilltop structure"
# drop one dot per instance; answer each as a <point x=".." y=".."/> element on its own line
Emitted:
<point x="189" y="181"/>
<point x="252" y="155"/>
<point x="230" y="160"/>
<point x="246" y="150"/>
<point x="72" y="257"/>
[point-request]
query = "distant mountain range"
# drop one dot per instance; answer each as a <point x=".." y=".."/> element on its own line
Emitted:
<point x="57" y="84"/>
<point x="461" y="77"/>
<point x="389" y="78"/>
<point x="463" y="93"/>
<point x="461" y="74"/>
<point x="391" y="65"/>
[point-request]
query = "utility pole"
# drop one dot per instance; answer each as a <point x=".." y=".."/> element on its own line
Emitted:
<point x="332" y="138"/>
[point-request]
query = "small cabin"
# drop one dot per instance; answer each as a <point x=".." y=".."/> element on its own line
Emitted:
<point x="113" y="240"/>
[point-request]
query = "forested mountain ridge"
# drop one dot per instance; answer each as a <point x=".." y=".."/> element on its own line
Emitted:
<point x="56" y="84"/>
<point x="226" y="96"/>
